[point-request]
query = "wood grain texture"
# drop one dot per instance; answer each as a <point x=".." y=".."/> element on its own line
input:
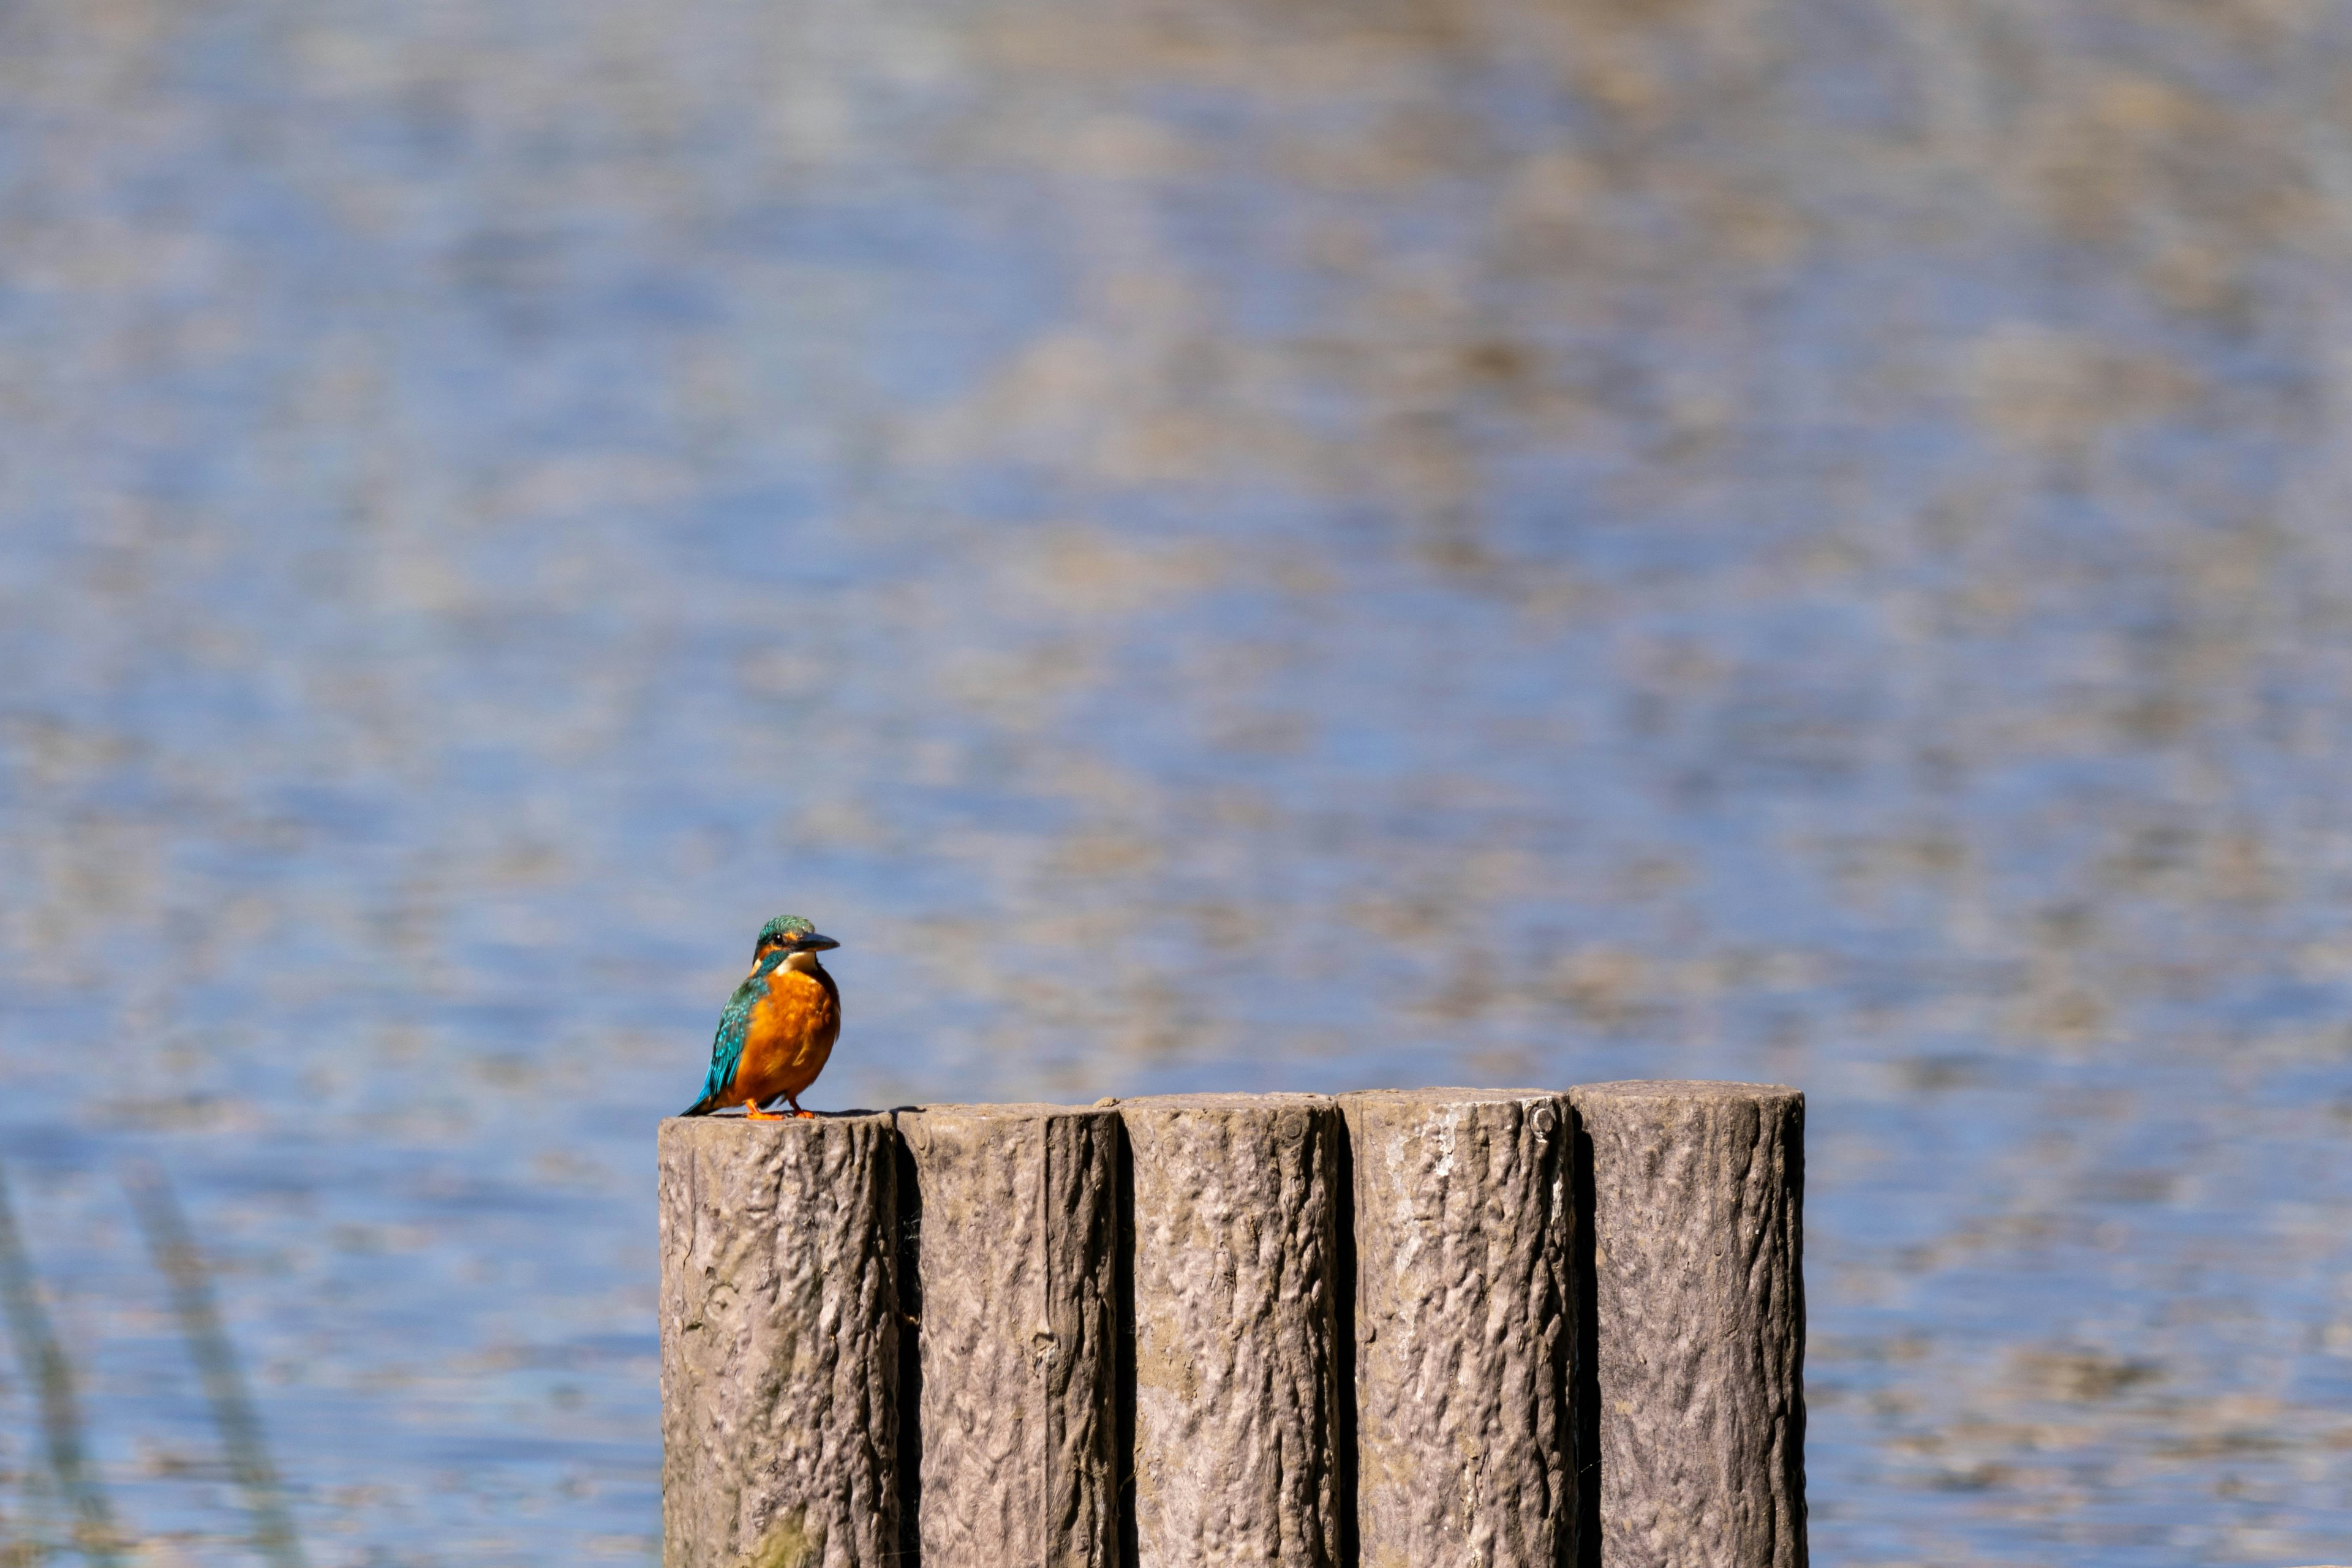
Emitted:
<point x="1697" y="1393"/>
<point x="1465" y="1328"/>
<point x="1018" y="1244"/>
<point x="1237" y="1381"/>
<point x="779" y="1343"/>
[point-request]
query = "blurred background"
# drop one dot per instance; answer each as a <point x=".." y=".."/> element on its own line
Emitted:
<point x="1214" y="544"/>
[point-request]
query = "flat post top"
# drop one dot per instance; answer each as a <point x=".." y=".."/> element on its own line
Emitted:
<point x="1683" y="1089"/>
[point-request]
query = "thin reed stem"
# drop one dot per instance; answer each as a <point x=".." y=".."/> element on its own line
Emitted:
<point x="47" y="1369"/>
<point x="193" y="1303"/>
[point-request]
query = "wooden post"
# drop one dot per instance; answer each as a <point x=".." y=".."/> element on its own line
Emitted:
<point x="1015" y="1212"/>
<point x="1696" y="1391"/>
<point x="1238" y="1386"/>
<point x="779" y="1343"/>
<point x="1465" y="1328"/>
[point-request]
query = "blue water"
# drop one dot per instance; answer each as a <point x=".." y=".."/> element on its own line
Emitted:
<point x="1214" y="546"/>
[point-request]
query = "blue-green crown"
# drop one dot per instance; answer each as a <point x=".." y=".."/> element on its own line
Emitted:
<point x="785" y="928"/>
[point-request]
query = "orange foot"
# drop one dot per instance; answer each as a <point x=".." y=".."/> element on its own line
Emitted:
<point x="752" y="1113"/>
<point x="803" y="1115"/>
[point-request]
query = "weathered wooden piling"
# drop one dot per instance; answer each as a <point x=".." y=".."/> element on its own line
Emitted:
<point x="1465" y="1328"/>
<point x="1406" y="1329"/>
<point x="1017" y="1236"/>
<point x="1694" y="1402"/>
<point x="779" y="1343"/>
<point x="1238" y="1381"/>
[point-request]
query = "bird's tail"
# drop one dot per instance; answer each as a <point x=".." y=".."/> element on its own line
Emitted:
<point x="702" y="1107"/>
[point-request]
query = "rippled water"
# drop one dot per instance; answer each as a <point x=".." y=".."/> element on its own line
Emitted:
<point x="1215" y="545"/>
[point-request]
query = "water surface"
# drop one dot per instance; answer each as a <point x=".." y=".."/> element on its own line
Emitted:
<point x="1215" y="545"/>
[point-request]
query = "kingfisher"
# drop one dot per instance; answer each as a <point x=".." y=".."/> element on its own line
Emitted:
<point x="779" y="1026"/>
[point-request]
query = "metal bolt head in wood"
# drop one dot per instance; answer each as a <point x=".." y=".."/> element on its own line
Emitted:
<point x="1465" y="1328"/>
<point x="1237" y="1384"/>
<point x="1695" y="1396"/>
<point x="1015" y="1214"/>
<point x="779" y="1343"/>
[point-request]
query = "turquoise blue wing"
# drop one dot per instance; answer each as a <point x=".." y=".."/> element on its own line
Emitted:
<point x="727" y="1046"/>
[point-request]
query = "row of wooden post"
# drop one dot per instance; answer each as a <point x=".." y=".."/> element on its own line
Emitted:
<point x="1413" y="1328"/>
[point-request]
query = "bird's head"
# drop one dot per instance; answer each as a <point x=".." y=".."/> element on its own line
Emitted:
<point x="789" y="933"/>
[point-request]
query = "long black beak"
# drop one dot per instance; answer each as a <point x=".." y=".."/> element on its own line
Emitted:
<point x="813" y="943"/>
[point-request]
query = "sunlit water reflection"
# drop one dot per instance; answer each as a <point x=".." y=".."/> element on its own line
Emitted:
<point x="1212" y="545"/>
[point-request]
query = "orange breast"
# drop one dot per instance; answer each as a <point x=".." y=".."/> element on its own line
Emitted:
<point x="793" y="1028"/>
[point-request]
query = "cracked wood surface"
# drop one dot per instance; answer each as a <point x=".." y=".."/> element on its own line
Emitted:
<point x="1465" y="1328"/>
<point x="1236" y="1345"/>
<point x="779" y="1343"/>
<point x="1698" y="1397"/>
<point x="1017" y="1215"/>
